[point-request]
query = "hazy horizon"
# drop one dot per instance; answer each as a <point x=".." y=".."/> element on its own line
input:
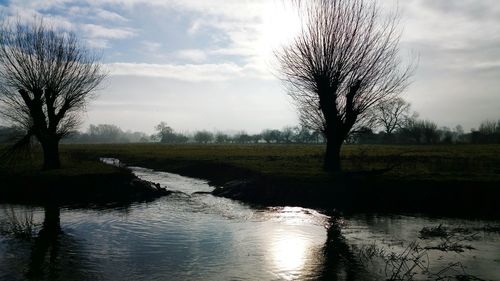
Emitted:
<point x="209" y="64"/>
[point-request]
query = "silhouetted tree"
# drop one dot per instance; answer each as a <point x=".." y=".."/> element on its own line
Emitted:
<point x="272" y="136"/>
<point x="430" y="132"/>
<point x="287" y="134"/>
<point x="222" y="138"/>
<point x="46" y="78"/>
<point x="364" y="136"/>
<point x="203" y="137"/>
<point x="267" y="135"/>
<point x="276" y="136"/>
<point x="343" y="63"/>
<point x="242" y="137"/>
<point x="392" y="114"/>
<point x="104" y="133"/>
<point x="488" y="132"/>
<point x="165" y="132"/>
<point x="167" y="135"/>
<point x="304" y="135"/>
<point x="461" y="137"/>
<point x="488" y="127"/>
<point x="256" y="138"/>
<point x="421" y="131"/>
<point x="446" y="135"/>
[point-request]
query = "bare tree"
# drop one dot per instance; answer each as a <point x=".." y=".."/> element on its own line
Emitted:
<point x="393" y="114"/>
<point x="342" y="64"/>
<point x="46" y="79"/>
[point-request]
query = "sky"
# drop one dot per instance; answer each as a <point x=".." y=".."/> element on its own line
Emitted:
<point x="209" y="64"/>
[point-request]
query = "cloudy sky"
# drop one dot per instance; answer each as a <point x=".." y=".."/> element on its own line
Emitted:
<point x="208" y="64"/>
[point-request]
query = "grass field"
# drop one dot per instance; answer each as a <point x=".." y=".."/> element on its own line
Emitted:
<point x="440" y="162"/>
<point x="30" y="165"/>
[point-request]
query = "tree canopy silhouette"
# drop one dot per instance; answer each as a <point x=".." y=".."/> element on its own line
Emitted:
<point x="47" y="76"/>
<point x="393" y="114"/>
<point x="343" y="62"/>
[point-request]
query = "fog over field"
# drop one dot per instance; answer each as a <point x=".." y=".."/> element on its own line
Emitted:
<point x="210" y="64"/>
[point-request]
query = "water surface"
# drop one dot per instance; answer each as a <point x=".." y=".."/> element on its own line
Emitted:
<point x="193" y="236"/>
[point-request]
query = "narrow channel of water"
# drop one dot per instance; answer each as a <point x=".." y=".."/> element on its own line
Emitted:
<point x="193" y="236"/>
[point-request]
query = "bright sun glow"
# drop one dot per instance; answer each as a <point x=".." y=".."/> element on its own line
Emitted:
<point x="289" y="252"/>
<point x="290" y="248"/>
<point x="280" y="24"/>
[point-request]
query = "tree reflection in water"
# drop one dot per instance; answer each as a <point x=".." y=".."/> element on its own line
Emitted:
<point x="55" y="255"/>
<point x="46" y="243"/>
<point x="339" y="261"/>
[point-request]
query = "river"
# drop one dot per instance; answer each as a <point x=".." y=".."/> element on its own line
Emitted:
<point x="192" y="235"/>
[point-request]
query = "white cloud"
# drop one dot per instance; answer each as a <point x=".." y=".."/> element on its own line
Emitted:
<point x="97" y="43"/>
<point x="30" y="15"/>
<point x="110" y="16"/>
<point x="189" y="72"/>
<point x="194" y="55"/>
<point x="95" y="13"/>
<point x="490" y="65"/>
<point x="98" y="31"/>
<point x="195" y="26"/>
<point x="253" y="29"/>
<point x="39" y="5"/>
<point x="151" y="47"/>
<point x="244" y="10"/>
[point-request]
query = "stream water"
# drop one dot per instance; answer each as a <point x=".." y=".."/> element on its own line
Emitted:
<point x="196" y="236"/>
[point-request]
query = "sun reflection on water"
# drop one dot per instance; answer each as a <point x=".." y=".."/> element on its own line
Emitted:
<point x="290" y="245"/>
<point x="289" y="252"/>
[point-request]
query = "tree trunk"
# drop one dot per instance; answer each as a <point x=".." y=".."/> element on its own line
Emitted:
<point x="332" y="155"/>
<point x="51" y="154"/>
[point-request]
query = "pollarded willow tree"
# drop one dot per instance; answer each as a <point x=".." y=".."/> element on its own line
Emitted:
<point x="47" y="76"/>
<point x="344" y="61"/>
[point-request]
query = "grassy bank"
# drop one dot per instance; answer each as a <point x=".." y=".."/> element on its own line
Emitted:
<point x="478" y="163"/>
<point x="79" y="181"/>
<point x="454" y="178"/>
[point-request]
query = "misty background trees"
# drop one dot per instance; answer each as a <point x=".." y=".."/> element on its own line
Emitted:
<point x="47" y="76"/>
<point x="343" y="63"/>
<point x="414" y="131"/>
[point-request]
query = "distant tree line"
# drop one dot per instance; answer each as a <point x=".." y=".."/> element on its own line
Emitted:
<point x="396" y="124"/>
<point x="106" y="133"/>
<point x="408" y="130"/>
<point x="102" y="133"/>
<point x="287" y="135"/>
